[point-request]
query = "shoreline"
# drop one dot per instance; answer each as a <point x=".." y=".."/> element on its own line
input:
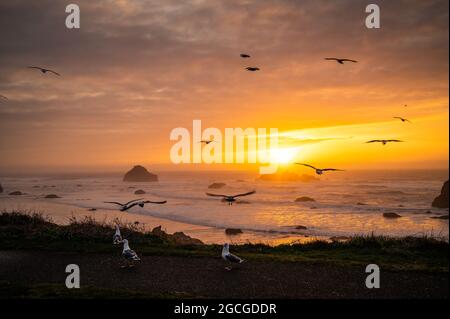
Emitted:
<point x="60" y="213"/>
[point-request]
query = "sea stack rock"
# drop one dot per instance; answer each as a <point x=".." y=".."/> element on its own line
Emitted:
<point x="442" y="200"/>
<point x="139" y="174"/>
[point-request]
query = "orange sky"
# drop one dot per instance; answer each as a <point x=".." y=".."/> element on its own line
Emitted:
<point x="138" y="69"/>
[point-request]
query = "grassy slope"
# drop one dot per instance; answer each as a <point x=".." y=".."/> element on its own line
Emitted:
<point x="33" y="231"/>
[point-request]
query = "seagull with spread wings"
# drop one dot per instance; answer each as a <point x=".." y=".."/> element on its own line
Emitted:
<point x="384" y="142"/>
<point x="43" y="70"/>
<point x="402" y="119"/>
<point x="320" y="171"/>
<point x="230" y="198"/>
<point x="132" y="203"/>
<point x="229" y="257"/>
<point x="206" y="141"/>
<point x="341" y="61"/>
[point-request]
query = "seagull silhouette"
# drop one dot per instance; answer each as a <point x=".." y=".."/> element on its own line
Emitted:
<point x="132" y="203"/>
<point x="252" y="69"/>
<point x="319" y="171"/>
<point x="229" y="257"/>
<point x="341" y="61"/>
<point x="206" y="141"/>
<point x="384" y="142"/>
<point x="245" y="55"/>
<point x="402" y="119"/>
<point x="230" y="198"/>
<point x="43" y="70"/>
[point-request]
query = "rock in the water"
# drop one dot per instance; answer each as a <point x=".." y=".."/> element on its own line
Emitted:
<point x="305" y="199"/>
<point x="52" y="196"/>
<point x="391" y="215"/>
<point x="233" y="231"/>
<point x="442" y="200"/>
<point x="217" y="185"/>
<point x="139" y="192"/>
<point x="139" y="174"/>
<point x="1" y="188"/>
<point x="16" y="193"/>
<point x="301" y="227"/>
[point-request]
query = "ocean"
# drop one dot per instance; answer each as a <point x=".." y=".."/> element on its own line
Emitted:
<point x="346" y="203"/>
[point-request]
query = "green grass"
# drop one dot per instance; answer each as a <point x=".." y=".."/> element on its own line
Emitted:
<point x="59" y="291"/>
<point x="20" y="230"/>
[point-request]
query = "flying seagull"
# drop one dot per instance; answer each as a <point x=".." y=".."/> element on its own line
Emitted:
<point x="117" y="238"/>
<point x="43" y="70"/>
<point x="341" y="61"/>
<point x="230" y="198"/>
<point x="402" y="119"/>
<point x="135" y="202"/>
<point x="129" y="255"/>
<point x="319" y="171"/>
<point x="245" y="55"/>
<point x="252" y="69"/>
<point x="3" y="97"/>
<point x="232" y="259"/>
<point x="384" y="142"/>
<point x="206" y="141"/>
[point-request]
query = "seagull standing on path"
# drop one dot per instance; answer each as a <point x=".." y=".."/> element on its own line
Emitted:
<point x="341" y="61"/>
<point x="319" y="171"/>
<point x="117" y="238"/>
<point x="384" y="142"/>
<point x="230" y="198"/>
<point x="227" y="256"/>
<point x="43" y="70"/>
<point x="129" y="255"/>
<point x="402" y="119"/>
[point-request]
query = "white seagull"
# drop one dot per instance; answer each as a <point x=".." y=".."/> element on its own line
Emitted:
<point x="43" y="70"/>
<point x="232" y="259"/>
<point x="140" y="202"/>
<point x="319" y="171"/>
<point x="230" y="198"/>
<point x="129" y="254"/>
<point x="117" y="238"/>
<point x="384" y="142"/>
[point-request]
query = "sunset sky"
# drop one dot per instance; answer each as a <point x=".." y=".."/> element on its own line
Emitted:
<point x="135" y="70"/>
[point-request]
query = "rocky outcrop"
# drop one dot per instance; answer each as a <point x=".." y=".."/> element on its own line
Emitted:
<point x="139" y="174"/>
<point x="178" y="238"/>
<point x="305" y="199"/>
<point x="391" y="215"/>
<point x="442" y="200"/>
<point x="217" y="185"/>
<point x="233" y="231"/>
<point x="139" y="192"/>
<point x="52" y="196"/>
<point x="301" y="227"/>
